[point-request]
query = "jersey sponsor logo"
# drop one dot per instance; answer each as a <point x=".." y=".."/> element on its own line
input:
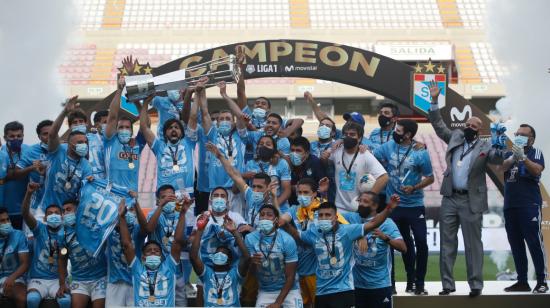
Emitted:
<point x="124" y="155"/>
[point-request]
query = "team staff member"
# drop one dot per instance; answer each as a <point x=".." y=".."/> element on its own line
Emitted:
<point x="303" y="164"/>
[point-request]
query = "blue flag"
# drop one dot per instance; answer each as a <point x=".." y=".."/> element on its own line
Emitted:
<point x="97" y="213"/>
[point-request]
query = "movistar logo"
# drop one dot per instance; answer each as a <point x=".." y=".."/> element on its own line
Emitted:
<point x="465" y="114"/>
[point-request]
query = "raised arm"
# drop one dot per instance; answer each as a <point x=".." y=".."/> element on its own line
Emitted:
<point x="230" y="226"/>
<point x="53" y="137"/>
<point x="62" y="273"/>
<point x="380" y="217"/>
<point x="179" y="235"/>
<point x="125" y="239"/>
<point x="114" y="109"/>
<point x="25" y="206"/>
<point x="144" y="119"/>
<point x="154" y="220"/>
<point x="142" y="221"/>
<point x="232" y="172"/>
<point x="319" y="114"/>
<point x="241" y="91"/>
<point x="203" y="104"/>
<point x="294" y="125"/>
<point x="187" y="94"/>
<point x="200" y="94"/>
<point x="380" y="183"/>
<point x="231" y="104"/>
<point x="434" y="116"/>
<point x="397" y="244"/>
<point x="198" y="265"/>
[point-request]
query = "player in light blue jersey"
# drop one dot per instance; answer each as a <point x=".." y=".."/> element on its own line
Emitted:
<point x="270" y="162"/>
<point x="88" y="273"/>
<point x="333" y="244"/>
<point x="410" y="170"/>
<point x="274" y="260"/>
<point x="372" y="269"/>
<point x="272" y="128"/>
<point x="388" y="115"/>
<point x="221" y="277"/>
<point x="122" y="152"/>
<point x="154" y="274"/>
<point x="47" y="276"/>
<point x="3" y="172"/>
<point x="14" y="261"/>
<point x="171" y="107"/>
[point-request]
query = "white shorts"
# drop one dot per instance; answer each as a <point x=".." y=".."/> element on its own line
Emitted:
<point x="46" y="287"/>
<point x="94" y="289"/>
<point x="293" y="299"/>
<point x="181" y="298"/>
<point x="120" y="294"/>
<point x="2" y="280"/>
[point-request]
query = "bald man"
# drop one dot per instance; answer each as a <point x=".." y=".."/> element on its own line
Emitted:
<point x="464" y="193"/>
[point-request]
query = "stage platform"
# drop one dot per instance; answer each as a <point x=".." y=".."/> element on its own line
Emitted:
<point x="493" y="296"/>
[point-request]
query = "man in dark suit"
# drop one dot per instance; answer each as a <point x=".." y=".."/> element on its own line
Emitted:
<point x="464" y="193"/>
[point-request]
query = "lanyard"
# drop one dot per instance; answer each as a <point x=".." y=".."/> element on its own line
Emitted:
<point x="70" y="174"/>
<point x="129" y="152"/>
<point x="51" y="247"/>
<point x="228" y="144"/>
<point x="331" y="252"/>
<point x="266" y="255"/>
<point x="174" y="154"/>
<point x="470" y="149"/>
<point x="404" y="157"/>
<point x="12" y="162"/>
<point x="219" y="287"/>
<point x="387" y="137"/>
<point x="70" y="241"/>
<point x="152" y="283"/>
<point x="4" y="250"/>
<point x="348" y="170"/>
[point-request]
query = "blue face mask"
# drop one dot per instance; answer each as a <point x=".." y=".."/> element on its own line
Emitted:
<point x="304" y="200"/>
<point x="295" y="158"/>
<point x="169" y="207"/>
<point x="124" y="136"/>
<point x="224" y="127"/>
<point x="265" y="226"/>
<point x="152" y="262"/>
<point x="79" y="128"/>
<point x="521" y="141"/>
<point x="81" y="149"/>
<point x="103" y="128"/>
<point x="5" y="229"/>
<point x="325" y="225"/>
<point x="173" y="95"/>
<point x="15" y="145"/>
<point x="219" y="258"/>
<point x="259" y="113"/>
<point x="323" y="132"/>
<point x="130" y="218"/>
<point x="257" y="197"/>
<point x="54" y="220"/>
<point x="69" y="219"/>
<point x="219" y="205"/>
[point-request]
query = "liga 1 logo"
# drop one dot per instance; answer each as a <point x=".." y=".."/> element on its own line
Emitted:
<point x="421" y="77"/>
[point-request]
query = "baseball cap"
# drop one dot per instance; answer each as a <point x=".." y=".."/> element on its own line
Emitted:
<point x="355" y="117"/>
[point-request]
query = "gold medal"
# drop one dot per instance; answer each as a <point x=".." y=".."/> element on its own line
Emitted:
<point x="151" y="298"/>
<point x="220" y="301"/>
<point x="176" y="168"/>
<point x="68" y="185"/>
<point x="50" y="260"/>
<point x="333" y="260"/>
<point x="265" y="263"/>
<point x="131" y="166"/>
<point x="63" y="251"/>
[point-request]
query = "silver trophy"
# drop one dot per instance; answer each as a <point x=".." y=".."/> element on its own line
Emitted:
<point x="139" y="87"/>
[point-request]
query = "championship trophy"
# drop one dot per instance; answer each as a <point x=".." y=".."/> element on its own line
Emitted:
<point x="139" y="87"/>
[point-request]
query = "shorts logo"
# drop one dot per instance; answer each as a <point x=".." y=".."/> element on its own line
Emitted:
<point x="74" y="286"/>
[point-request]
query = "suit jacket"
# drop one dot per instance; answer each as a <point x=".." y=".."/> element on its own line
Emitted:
<point x="482" y="154"/>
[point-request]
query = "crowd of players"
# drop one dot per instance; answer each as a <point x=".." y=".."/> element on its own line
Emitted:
<point x="262" y="215"/>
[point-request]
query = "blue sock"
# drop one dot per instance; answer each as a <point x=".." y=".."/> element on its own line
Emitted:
<point x="65" y="301"/>
<point x="33" y="299"/>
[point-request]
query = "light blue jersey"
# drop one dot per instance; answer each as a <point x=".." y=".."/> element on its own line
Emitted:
<point x="10" y="247"/>
<point x="203" y="162"/>
<point x="163" y="280"/>
<point x="372" y="268"/>
<point x="221" y="285"/>
<point x="405" y="167"/>
<point x="281" y="171"/>
<point x="233" y="149"/>
<point x="167" y="109"/>
<point x="84" y="267"/>
<point x="165" y="230"/>
<point x="14" y="190"/>
<point x="333" y="276"/>
<point x="122" y="162"/>
<point x="271" y="273"/>
<point x="40" y="153"/>
<point x="96" y="154"/>
<point x="318" y="148"/>
<point x="307" y="260"/>
<point x="252" y="137"/>
<point x="253" y="215"/>
<point x="214" y="236"/>
<point x="119" y="271"/>
<point x="46" y="247"/>
<point x="378" y="137"/>
<point x="64" y="177"/>
<point x="175" y="162"/>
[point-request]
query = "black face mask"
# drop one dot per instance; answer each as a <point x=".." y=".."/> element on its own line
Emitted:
<point x="398" y="138"/>
<point x="384" y="121"/>
<point x="349" y="143"/>
<point x="470" y="134"/>
<point x="265" y="153"/>
<point x="363" y="211"/>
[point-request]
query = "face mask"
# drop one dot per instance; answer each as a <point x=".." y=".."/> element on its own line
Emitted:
<point x="54" y="220"/>
<point x="521" y="141"/>
<point x="258" y="113"/>
<point x="169" y="207"/>
<point x="304" y="200"/>
<point x="219" y="205"/>
<point x="173" y="95"/>
<point x="363" y="211"/>
<point x="5" y="229"/>
<point x="323" y="132"/>
<point x="124" y="136"/>
<point x="79" y="128"/>
<point x="469" y="134"/>
<point x="219" y="258"/>
<point x="265" y="226"/>
<point x="69" y="219"/>
<point x="265" y="153"/>
<point x="295" y="158"/>
<point x="130" y="218"/>
<point x="397" y="137"/>
<point x="325" y="225"/>
<point x="224" y="127"/>
<point x="152" y="262"/>
<point x="349" y="143"/>
<point x="103" y="128"/>
<point x="81" y="149"/>
<point x="383" y="121"/>
<point x="257" y="197"/>
<point x="15" y="145"/>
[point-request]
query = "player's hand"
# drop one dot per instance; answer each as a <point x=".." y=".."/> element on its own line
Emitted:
<point x="324" y="184"/>
<point x="32" y="187"/>
<point x="122" y="208"/>
<point x="229" y="224"/>
<point x="186" y="204"/>
<point x="129" y="64"/>
<point x="434" y="90"/>
<point x="274" y="305"/>
<point x="63" y="289"/>
<point x="308" y="96"/>
<point x="407" y="189"/>
<point x="202" y="220"/>
<point x="326" y="154"/>
<point x="337" y="144"/>
<point x="377" y="233"/>
<point x="201" y="84"/>
<point x="245" y="228"/>
<point x="394" y="201"/>
<point x="166" y="199"/>
<point x="71" y="104"/>
<point x="363" y="245"/>
<point x="419" y="146"/>
<point x="9" y="283"/>
<point x="213" y="149"/>
<point x="223" y="88"/>
<point x="121" y="82"/>
<point x="257" y="258"/>
<point x="363" y="148"/>
<point x="239" y="54"/>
